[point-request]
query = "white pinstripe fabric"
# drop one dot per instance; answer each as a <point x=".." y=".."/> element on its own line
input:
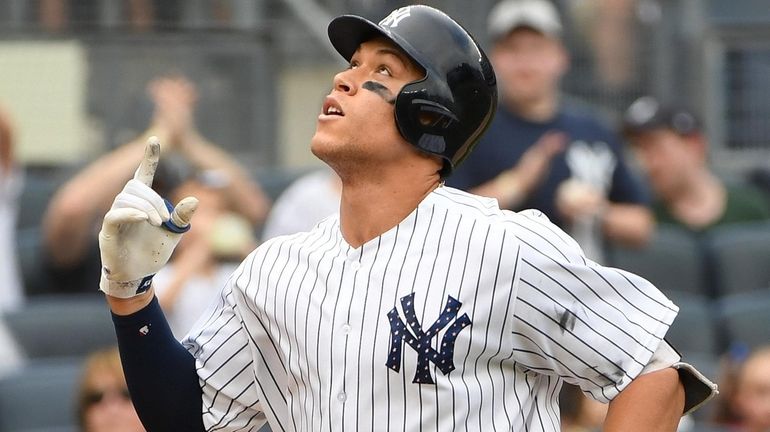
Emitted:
<point x="301" y="332"/>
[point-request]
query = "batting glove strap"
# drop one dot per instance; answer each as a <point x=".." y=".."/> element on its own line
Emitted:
<point x="171" y="224"/>
<point x="697" y="388"/>
<point x="125" y="289"/>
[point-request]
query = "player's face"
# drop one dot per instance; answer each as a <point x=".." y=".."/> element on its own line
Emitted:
<point x="529" y="65"/>
<point x="357" y="125"/>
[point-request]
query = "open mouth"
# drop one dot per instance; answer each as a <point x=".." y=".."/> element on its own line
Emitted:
<point x="332" y="108"/>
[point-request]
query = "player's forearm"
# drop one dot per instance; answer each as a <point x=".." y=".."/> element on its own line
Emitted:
<point x="628" y="224"/>
<point x="652" y="402"/>
<point x="160" y="372"/>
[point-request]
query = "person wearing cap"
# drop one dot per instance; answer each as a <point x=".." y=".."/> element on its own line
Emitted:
<point x="546" y="153"/>
<point x="416" y="306"/>
<point x="673" y="152"/>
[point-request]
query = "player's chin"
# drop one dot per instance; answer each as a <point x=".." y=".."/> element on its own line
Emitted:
<point x="322" y="144"/>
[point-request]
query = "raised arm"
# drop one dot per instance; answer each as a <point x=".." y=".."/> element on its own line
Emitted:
<point x="175" y="98"/>
<point x="244" y="194"/>
<point x="68" y="224"/>
<point x="138" y="235"/>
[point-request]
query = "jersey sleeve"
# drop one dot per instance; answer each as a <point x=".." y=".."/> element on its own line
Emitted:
<point x="596" y="327"/>
<point x="224" y="364"/>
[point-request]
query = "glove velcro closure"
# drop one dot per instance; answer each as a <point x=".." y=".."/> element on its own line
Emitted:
<point x="125" y="289"/>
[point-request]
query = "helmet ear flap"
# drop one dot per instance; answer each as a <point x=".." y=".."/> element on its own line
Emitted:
<point x="423" y="121"/>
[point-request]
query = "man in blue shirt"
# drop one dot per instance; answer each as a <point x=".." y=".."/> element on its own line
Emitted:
<point x="541" y="152"/>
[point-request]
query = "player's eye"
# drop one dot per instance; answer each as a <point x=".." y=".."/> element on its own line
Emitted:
<point x="384" y="70"/>
<point x="353" y="64"/>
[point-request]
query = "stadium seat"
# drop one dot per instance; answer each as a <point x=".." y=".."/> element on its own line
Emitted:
<point x="740" y="254"/>
<point x="40" y="397"/>
<point x="40" y="183"/>
<point x="695" y="312"/>
<point x="29" y="248"/>
<point x="672" y="261"/>
<point x="62" y="325"/>
<point x="746" y="317"/>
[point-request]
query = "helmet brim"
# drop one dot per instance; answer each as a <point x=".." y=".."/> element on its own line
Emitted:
<point x="347" y="32"/>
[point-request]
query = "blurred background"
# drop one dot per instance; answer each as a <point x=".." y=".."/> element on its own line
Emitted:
<point x="72" y="70"/>
<point x="74" y="73"/>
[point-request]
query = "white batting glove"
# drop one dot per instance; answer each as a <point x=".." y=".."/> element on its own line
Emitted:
<point x="140" y="231"/>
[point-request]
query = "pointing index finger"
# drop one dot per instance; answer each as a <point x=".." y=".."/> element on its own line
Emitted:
<point x="146" y="170"/>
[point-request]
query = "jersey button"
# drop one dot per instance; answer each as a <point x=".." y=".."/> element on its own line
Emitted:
<point x="342" y="397"/>
<point x="346" y="328"/>
<point x="355" y="265"/>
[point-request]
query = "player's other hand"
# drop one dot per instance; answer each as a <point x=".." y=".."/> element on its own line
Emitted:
<point x="140" y="232"/>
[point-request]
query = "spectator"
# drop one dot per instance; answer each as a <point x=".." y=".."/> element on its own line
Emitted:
<point x="608" y="27"/>
<point x="542" y="152"/>
<point x="672" y="150"/>
<point x="11" y="290"/>
<point x="103" y="402"/>
<point x="745" y="406"/>
<point x="206" y="256"/>
<point x="140" y="15"/>
<point x="72" y="219"/>
<point x="752" y="393"/>
<point x="304" y="203"/>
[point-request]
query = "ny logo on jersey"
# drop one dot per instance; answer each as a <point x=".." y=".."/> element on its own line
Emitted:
<point x="419" y="340"/>
<point x="395" y="17"/>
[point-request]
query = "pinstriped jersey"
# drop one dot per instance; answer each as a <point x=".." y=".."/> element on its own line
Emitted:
<point x="461" y="317"/>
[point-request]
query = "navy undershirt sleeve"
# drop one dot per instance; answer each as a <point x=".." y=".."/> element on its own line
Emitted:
<point x="160" y="372"/>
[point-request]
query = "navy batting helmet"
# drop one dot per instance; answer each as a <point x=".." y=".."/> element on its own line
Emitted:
<point x="445" y="112"/>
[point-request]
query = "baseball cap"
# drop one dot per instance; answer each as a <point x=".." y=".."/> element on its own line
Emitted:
<point x="539" y="15"/>
<point x="647" y="113"/>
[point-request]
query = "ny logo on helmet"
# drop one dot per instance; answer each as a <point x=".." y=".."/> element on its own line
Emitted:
<point x="395" y="17"/>
<point x="420" y="340"/>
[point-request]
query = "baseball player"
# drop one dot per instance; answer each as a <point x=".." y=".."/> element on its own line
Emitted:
<point x="418" y="306"/>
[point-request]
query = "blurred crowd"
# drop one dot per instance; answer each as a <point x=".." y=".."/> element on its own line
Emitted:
<point x="615" y="186"/>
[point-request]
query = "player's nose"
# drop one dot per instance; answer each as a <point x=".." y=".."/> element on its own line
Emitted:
<point x="345" y="83"/>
